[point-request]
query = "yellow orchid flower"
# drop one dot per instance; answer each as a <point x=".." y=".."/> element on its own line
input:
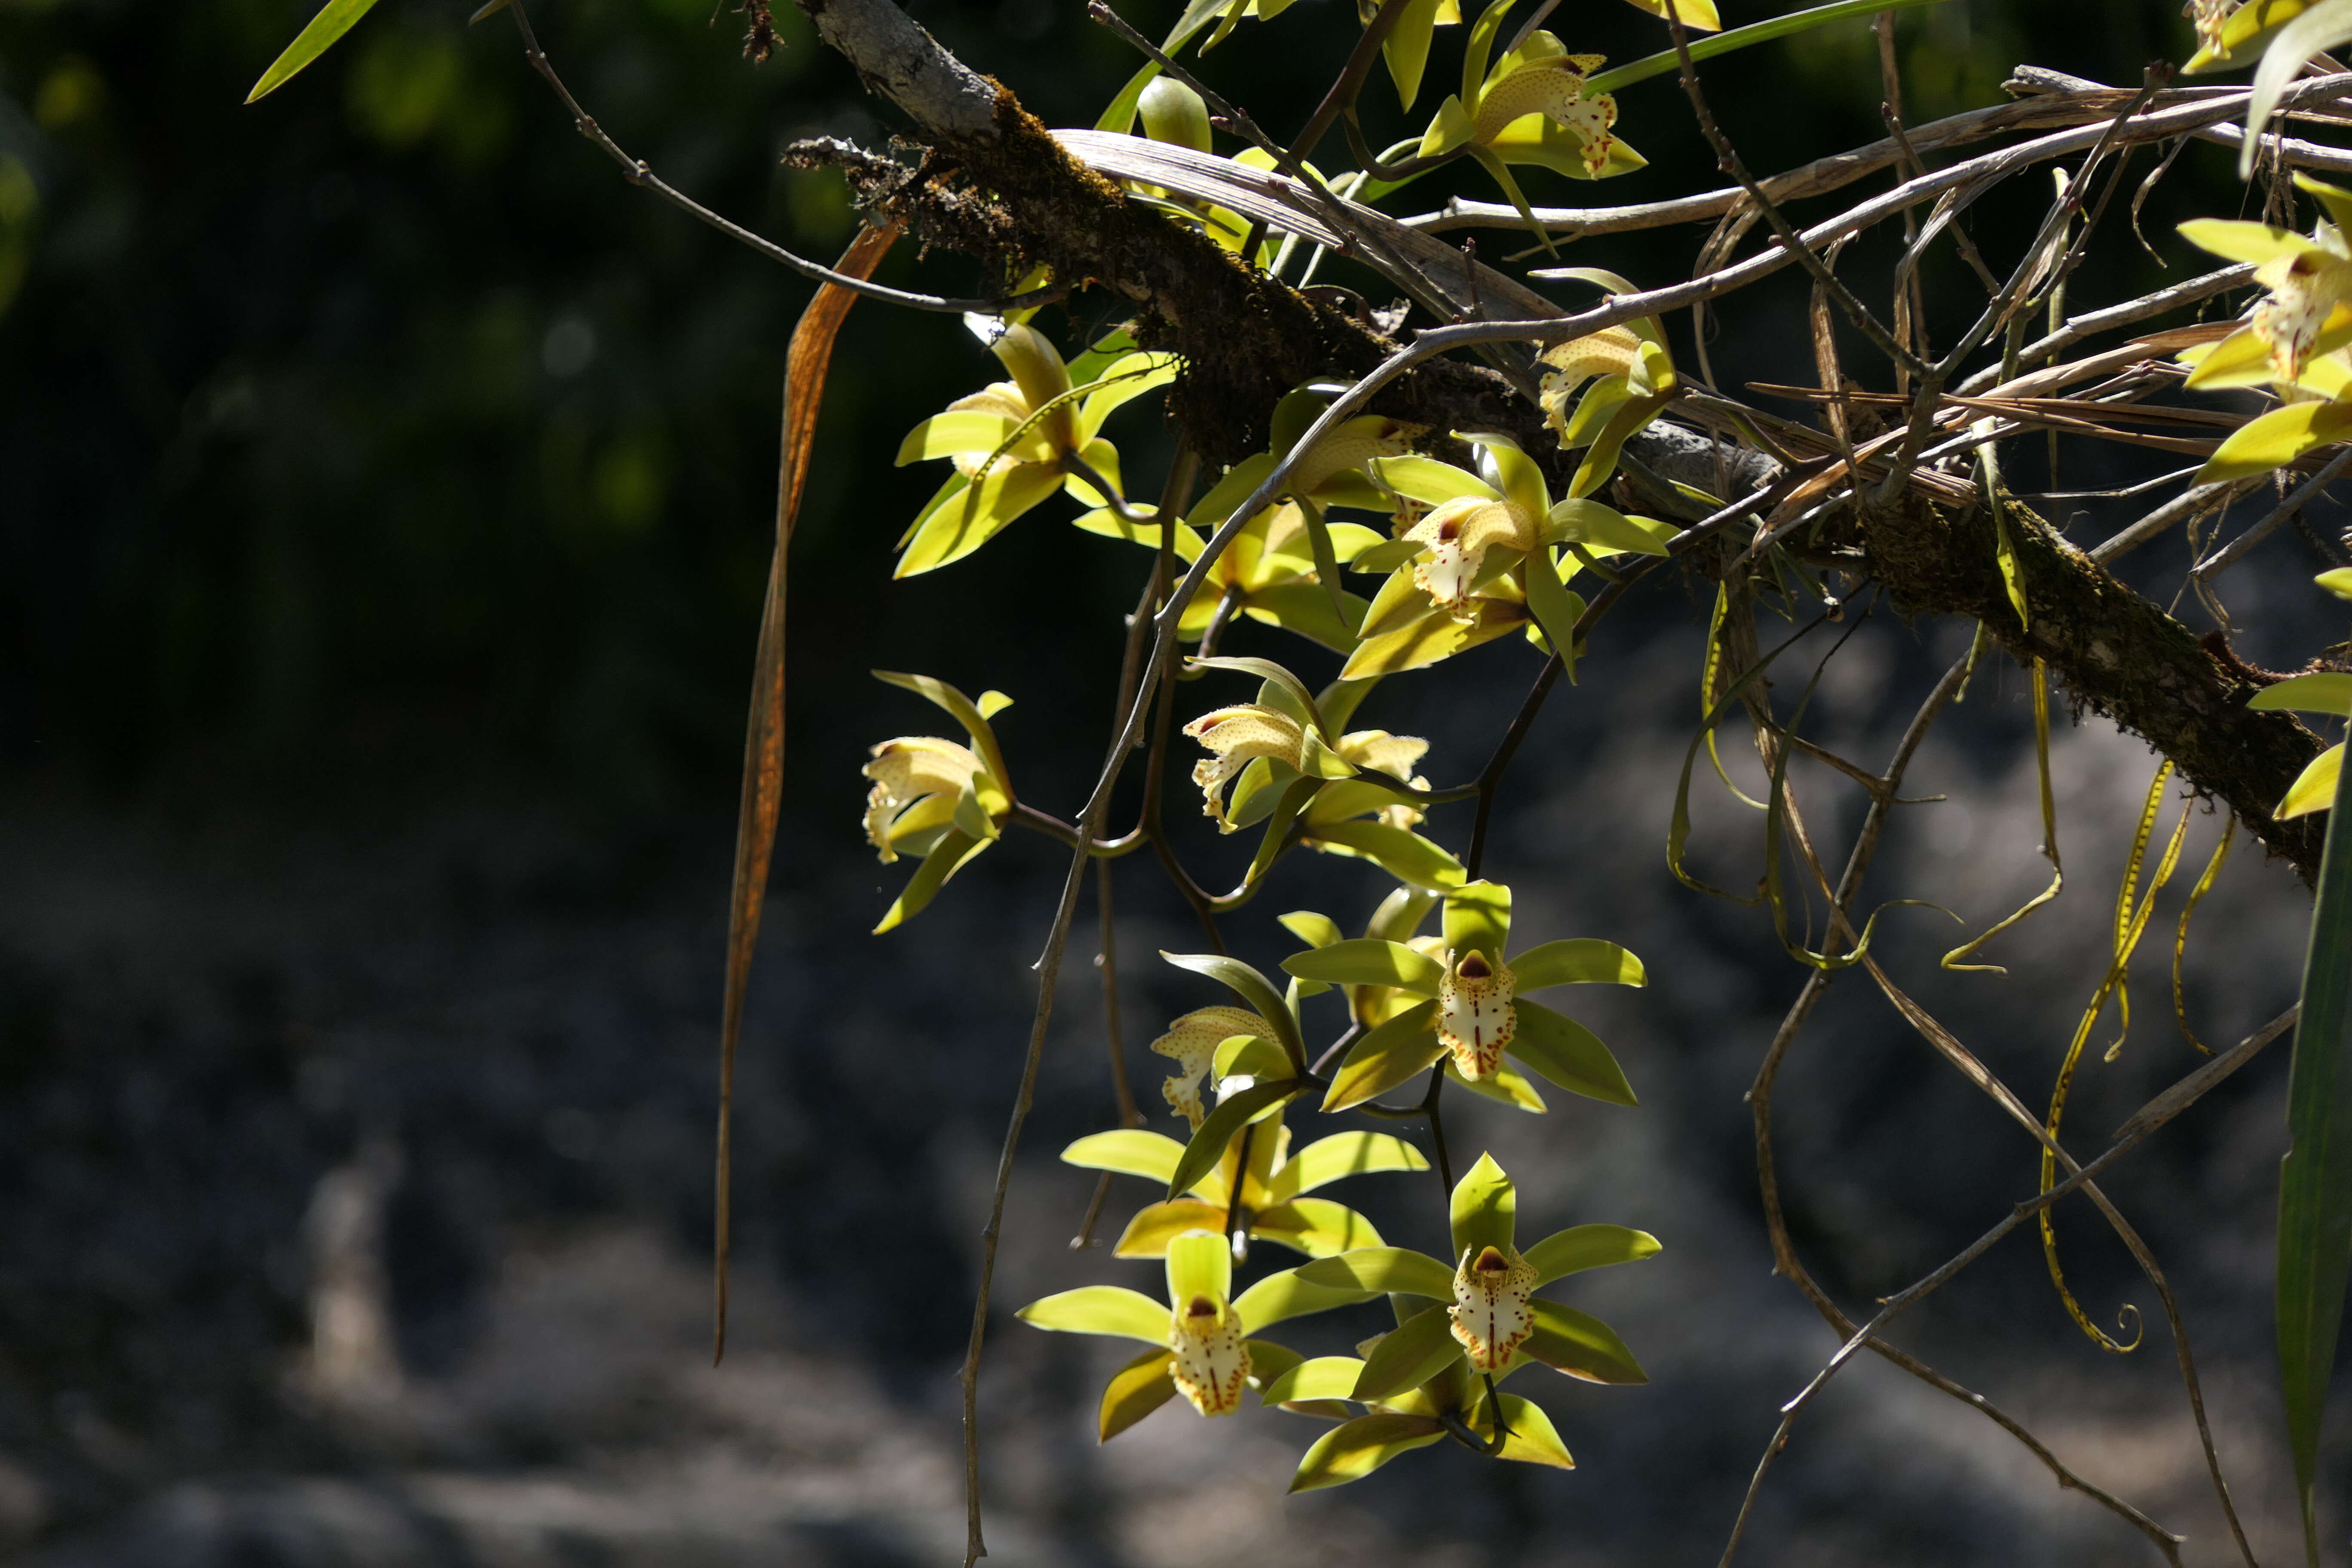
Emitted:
<point x="1631" y="376"/>
<point x="1480" y="563"/>
<point x="1462" y="1329"/>
<point x="1201" y="1337"/>
<point x="2294" y="340"/>
<point x="2309" y="282"/>
<point x="1494" y="1309"/>
<point x="2229" y="33"/>
<point x="917" y="781"/>
<point x="1470" y="1009"/>
<point x="939" y="799"/>
<point x="1533" y="108"/>
<point x="1269" y="571"/>
<point x="1192" y="1042"/>
<point x="1014" y="443"/>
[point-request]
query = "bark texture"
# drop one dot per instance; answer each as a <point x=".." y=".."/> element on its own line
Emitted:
<point x="1248" y="340"/>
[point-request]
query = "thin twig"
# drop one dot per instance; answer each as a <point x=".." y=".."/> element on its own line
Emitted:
<point x="639" y="173"/>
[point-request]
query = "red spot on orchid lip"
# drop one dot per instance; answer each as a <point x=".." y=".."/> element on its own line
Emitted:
<point x="1474" y="967"/>
<point x="1201" y="1307"/>
<point x="1491" y="1262"/>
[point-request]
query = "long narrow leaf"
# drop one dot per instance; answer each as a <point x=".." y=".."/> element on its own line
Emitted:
<point x="805" y="364"/>
<point x="334" y="20"/>
<point x="2315" y="1235"/>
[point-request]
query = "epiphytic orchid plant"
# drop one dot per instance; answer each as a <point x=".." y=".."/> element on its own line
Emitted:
<point x="1490" y="459"/>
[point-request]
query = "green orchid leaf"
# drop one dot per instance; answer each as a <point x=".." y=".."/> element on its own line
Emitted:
<point x="1327" y="1160"/>
<point x="1253" y="989"/>
<point x="1135" y="1391"/>
<point x="2273" y="439"/>
<point x="1343" y="799"/>
<point x="1326" y="558"/>
<point x="1577" y="961"/>
<point x="1580" y="1345"/>
<point x="1408" y="1355"/>
<point x="1517" y="476"/>
<point x="1599" y="528"/>
<point x="1304" y="610"/>
<point x="1316" y="759"/>
<point x="1321" y="1378"/>
<point x="967" y="432"/>
<point x="1101" y="1310"/>
<point x="1200" y="1263"/>
<point x="1122" y="382"/>
<point x="2327" y="692"/>
<point x="1478" y="920"/>
<point x="970" y="818"/>
<point x="1556" y="609"/>
<point x="1430" y="639"/>
<point x="949" y="855"/>
<point x="1502" y="1086"/>
<point x="1583" y="1247"/>
<point x="1480" y="49"/>
<point x="1258" y="791"/>
<point x="1120" y="117"/>
<point x="1149" y="1232"/>
<point x="1269" y="1363"/>
<point x="1391" y="1270"/>
<point x="1367" y="961"/>
<point x="963" y="523"/>
<point x="1266" y="670"/>
<point x="1278" y="823"/>
<point x="1626" y="420"/>
<point x="1401" y="914"/>
<point x="1278" y="1298"/>
<point x="1533" y="1440"/>
<point x="1400" y="1049"/>
<point x="1316" y="930"/>
<point x="1794" y="22"/>
<point x="1403" y="854"/>
<point x="2314" y="788"/>
<point x="1430" y="482"/>
<point x="1131" y="1151"/>
<point x="333" y="20"/>
<point x="1355" y="1449"/>
<point x="1253" y="1055"/>
<point x="1406" y="49"/>
<point x="955" y="484"/>
<point x="1484" y="1209"/>
<point x="1217" y="1131"/>
<point x="1568" y="1054"/>
<point x="1386" y="557"/>
<point x="964" y="711"/>
<point x="2315" y="1223"/>
<point x="1316" y="1227"/>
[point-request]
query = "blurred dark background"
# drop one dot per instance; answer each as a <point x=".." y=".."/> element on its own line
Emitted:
<point x="385" y="494"/>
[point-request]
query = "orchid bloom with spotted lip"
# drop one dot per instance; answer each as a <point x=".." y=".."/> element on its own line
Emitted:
<point x="1285" y="731"/>
<point x="940" y="799"/>
<point x="917" y="780"/>
<point x="2298" y="339"/>
<point x="1201" y="1337"/>
<point x="1192" y="1042"/>
<point x="1473" y="1012"/>
<point x="1483" y="556"/>
<point x="2306" y="309"/>
<point x="1534" y="107"/>
<point x="1461" y="1330"/>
